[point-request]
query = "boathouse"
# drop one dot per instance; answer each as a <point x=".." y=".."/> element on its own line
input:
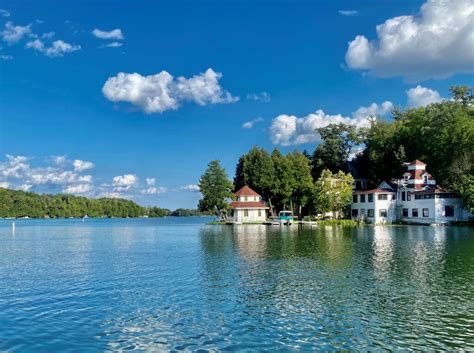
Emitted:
<point x="415" y="198"/>
<point x="248" y="207"/>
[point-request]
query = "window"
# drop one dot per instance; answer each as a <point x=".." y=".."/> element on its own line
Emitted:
<point x="245" y="198"/>
<point x="426" y="212"/>
<point x="408" y="196"/>
<point x="403" y="196"/>
<point x="260" y="213"/>
<point x="383" y="212"/>
<point x="425" y="179"/>
<point x="355" y="213"/>
<point x="354" y="198"/>
<point x="382" y="197"/>
<point x="449" y="211"/>
<point x="362" y="198"/>
<point x="370" y="212"/>
<point x="405" y="212"/>
<point x="246" y="213"/>
<point x="414" y="212"/>
<point x="362" y="213"/>
<point x="371" y="197"/>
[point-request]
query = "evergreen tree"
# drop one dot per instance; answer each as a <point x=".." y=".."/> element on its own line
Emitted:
<point x="215" y="188"/>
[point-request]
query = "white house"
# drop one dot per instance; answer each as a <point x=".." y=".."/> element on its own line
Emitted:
<point x="248" y="207"/>
<point x="415" y="198"/>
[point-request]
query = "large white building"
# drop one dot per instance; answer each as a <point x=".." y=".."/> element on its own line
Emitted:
<point x="248" y="207"/>
<point x="415" y="198"/>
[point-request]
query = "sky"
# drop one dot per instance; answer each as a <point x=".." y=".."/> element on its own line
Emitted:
<point x="134" y="98"/>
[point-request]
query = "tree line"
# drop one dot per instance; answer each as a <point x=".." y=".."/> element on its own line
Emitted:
<point x="17" y="204"/>
<point x="440" y="134"/>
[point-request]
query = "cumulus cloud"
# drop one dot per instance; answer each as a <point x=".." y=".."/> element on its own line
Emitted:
<point x="79" y="165"/>
<point x="19" y="174"/>
<point x="260" y="97"/>
<point x="421" y="96"/>
<point x="191" y="187"/>
<point x="57" y="49"/>
<point x="251" y="123"/>
<point x="4" y="13"/>
<point x="153" y="190"/>
<point x="78" y="189"/>
<point x="12" y="34"/>
<point x="288" y="130"/>
<point x="435" y="44"/>
<point x="113" y="34"/>
<point x="348" y="12"/>
<point x="124" y="182"/>
<point x="161" y="92"/>
<point x="67" y="176"/>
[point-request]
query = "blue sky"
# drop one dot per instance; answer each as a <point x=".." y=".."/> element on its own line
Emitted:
<point x="285" y="67"/>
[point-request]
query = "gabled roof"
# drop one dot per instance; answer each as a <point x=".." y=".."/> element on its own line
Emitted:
<point x="246" y="191"/>
<point x="247" y="204"/>
<point x="417" y="162"/>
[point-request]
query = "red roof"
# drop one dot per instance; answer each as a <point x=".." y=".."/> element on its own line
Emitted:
<point x="249" y="204"/>
<point x="417" y="162"/>
<point x="246" y="191"/>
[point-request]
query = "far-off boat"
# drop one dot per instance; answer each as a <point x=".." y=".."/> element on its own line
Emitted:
<point x="284" y="218"/>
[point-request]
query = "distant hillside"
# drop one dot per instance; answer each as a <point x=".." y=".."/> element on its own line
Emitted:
<point x="17" y="204"/>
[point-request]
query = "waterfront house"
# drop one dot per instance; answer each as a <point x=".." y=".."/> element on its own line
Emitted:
<point x="415" y="198"/>
<point x="248" y="207"/>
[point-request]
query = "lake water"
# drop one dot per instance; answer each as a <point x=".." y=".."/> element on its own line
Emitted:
<point x="176" y="283"/>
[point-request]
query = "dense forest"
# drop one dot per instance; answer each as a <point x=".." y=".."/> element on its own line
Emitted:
<point x="440" y="134"/>
<point x="19" y="204"/>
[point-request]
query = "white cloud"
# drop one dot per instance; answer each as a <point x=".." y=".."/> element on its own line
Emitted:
<point x="113" y="34"/>
<point x="260" y="97"/>
<point x="78" y="189"/>
<point x="191" y="187"/>
<point x="15" y="167"/>
<point x="58" y="160"/>
<point x="153" y="190"/>
<point x="435" y="44"/>
<point x="124" y="182"/>
<point x="251" y="123"/>
<point x="421" y="96"/>
<point x="13" y="34"/>
<point x="54" y="176"/>
<point x="4" y="184"/>
<point x="161" y="92"/>
<point x="58" y="47"/>
<point x="150" y="181"/>
<point x="25" y="187"/>
<point x="287" y="130"/>
<point x="6" y="57"/>
<point x="79" y="165"/>
<point x="4" y="13"/>
<point x="112" y="45"/>
<point x="373" y="110"/>
<point x="348" y="12"/>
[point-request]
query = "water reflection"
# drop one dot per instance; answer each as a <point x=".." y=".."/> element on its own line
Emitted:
<point x="132" y="285"/>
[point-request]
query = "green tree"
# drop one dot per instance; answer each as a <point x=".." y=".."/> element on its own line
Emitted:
<point x="302" y="180"/>
<point x="284" y="183"/>
<point x="333" y="192"/>
<point x="216" y="189"/>
<point x="338" y="142"/>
